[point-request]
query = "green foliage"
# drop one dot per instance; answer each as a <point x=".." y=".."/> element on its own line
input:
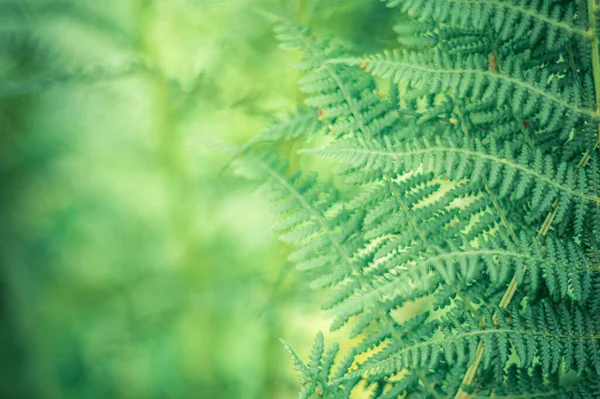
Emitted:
<point x="471" y="187"/>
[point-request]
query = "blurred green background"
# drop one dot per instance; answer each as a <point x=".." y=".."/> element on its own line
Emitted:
<point x="129" y="267"/>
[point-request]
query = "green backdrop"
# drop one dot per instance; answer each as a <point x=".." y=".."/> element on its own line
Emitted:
<point x="130" y="266"/>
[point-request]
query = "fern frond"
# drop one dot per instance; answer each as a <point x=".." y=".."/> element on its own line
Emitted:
<point x="474" y="189"/>
<point x="310" y="218"/>
<point x="408" y="275"/>
<point x="511" y="19"/>
<point x="349" y="100"/>
<point x="301" y="123"/>
<point x="529" y="91"/>
<point x="567" y="337"/>
<point x="520" y="174"/>
<point x="314" y="376"/>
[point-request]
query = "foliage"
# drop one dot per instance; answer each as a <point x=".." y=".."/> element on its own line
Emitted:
<point x="468" y="178"/>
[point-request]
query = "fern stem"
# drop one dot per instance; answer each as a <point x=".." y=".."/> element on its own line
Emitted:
<point x="549" y="219"/>
<point x="471" y="372"/>
<point x="510" y="292"/>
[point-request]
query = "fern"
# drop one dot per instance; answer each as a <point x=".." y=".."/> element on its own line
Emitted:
<point x="472" y="187"/>
<point x="511" y="174"/>
<point x="536" y="21"/>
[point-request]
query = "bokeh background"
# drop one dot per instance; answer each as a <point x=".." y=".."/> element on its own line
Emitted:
<point x="130" y="266"/>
